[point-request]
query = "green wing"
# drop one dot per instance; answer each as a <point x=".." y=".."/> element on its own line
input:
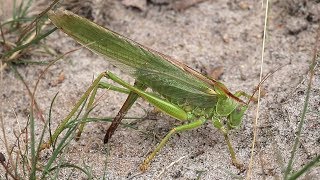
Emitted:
<point x="148" y="66"/>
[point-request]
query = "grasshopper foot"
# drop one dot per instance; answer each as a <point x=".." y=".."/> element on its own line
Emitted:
<point x="238" y="165"/>
<point x="144" y="166"/>
<point x="44" y="146"/>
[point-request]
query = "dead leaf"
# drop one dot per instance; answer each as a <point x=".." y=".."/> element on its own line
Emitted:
<point x="244" y="5"/>
<point x="140" y="4"/>
<point x="216" y="72"/>
<point x="161" y="2"/>
<point x="185" y="4"/>
<point x="59" y="80"/>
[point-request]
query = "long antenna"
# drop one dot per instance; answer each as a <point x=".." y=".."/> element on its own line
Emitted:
<point x="252" y="98"/>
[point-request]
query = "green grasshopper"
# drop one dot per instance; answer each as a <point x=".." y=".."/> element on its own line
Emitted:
<point x="178" y="90"/>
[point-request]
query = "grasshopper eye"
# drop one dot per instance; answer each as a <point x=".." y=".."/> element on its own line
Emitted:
<point x="234" y="119"/>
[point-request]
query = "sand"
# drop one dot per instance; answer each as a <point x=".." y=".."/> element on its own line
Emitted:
<point x="204" y="36"/>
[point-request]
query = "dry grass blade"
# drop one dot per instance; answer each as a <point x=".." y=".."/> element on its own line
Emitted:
<point x="255" y="129"/>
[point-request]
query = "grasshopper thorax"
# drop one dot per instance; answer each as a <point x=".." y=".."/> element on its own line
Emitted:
<point x="229" y="108"/>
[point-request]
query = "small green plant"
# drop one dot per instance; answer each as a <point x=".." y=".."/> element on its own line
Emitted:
<point x="20" y="36"/>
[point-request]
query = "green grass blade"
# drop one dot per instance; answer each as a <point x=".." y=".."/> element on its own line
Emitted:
<point x="305" y="106"/>
<point x="32" y="143"/>
<point x="34" y="41"/>
<point x="68" y="165"/>
<point x="305" y="168"/>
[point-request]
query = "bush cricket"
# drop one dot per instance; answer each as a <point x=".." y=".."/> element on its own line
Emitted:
<point x="178" y="90"/>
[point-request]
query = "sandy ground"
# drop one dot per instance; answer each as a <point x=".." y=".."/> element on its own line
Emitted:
<point x="205" y="36"/>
